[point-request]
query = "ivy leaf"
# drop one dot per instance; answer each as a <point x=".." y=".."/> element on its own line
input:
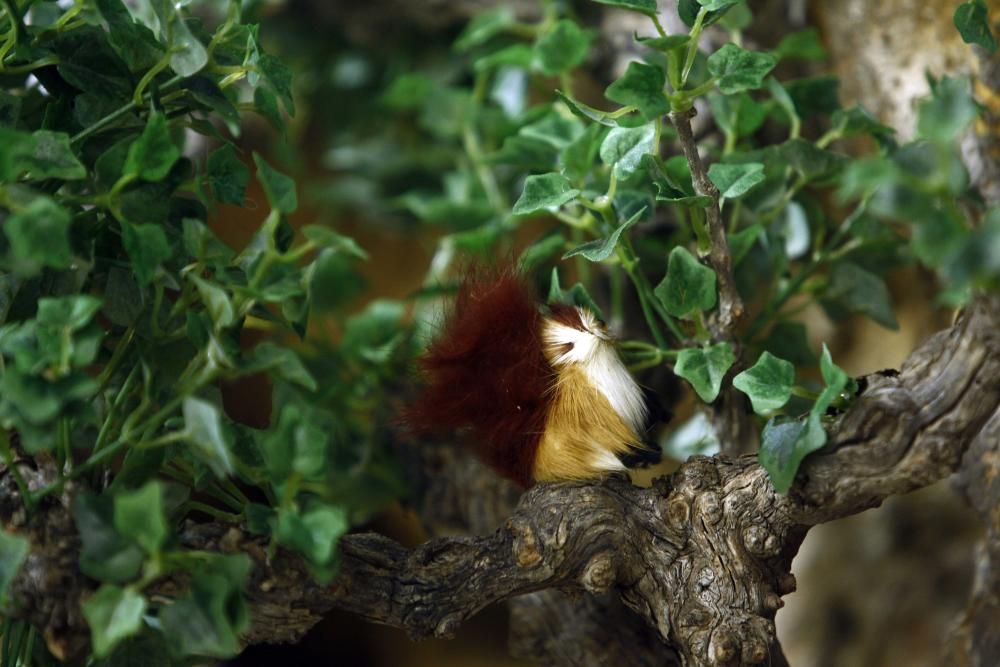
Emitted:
<point x="737" y="69"/>
<point x="52" y="157"/>
<point x="624" y="147"/>
<point x="802" y="45"/>
<point x="577" y="295"/>
<point x="647" y="7"/>
<point x="735" y="180"/>
<point x="203" y="423"/>
<point x="860" y="291"/>
<point x="790" y="340"/>
<point x="13" y="552"/>
<point x="705" y="367"/>
<point x="716" y="5"/>
<point x="147" y="248"/>
<point x="973" y="22"/>
<point x="544" y="192"/>
<point x="210" y="619"/>
<point x="228" y="175"/>
<point x="217" y="302"/>
<point x="586" y="112"/>
<point x="812" y="162"/>
<point x="484" y="27"/>
<point x="599" y="250"/>
<point x="780" y="452"/>
<point x="742" y="241"/>
<point x="857" y="120"/>
<point x="283" y="362"/>
<point x="949" y="111"/>
<point x="674" y="188"/>
<point x="188" y="55"/>
<point x="688" y="287"/>
<point x="151" y="156"/>
<point x="540" y="252"/>
<point x="279" y="188"/>
<point x="39" y="236"/>
<point x="768" y="383"/>
<point x="642" y="87"/>
<point x="314" y="534"/>
<point x="562" y="48"/>
<point x="106" y="554"/>
<point x="140" y="515"/>
<point x="325" y="237"/>
<point x="113" y="614"/>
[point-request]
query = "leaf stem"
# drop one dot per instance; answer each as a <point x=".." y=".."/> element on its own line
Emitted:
<point x="118" y="113"/>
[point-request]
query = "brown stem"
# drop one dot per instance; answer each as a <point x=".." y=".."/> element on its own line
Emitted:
<point x="730" y="311"/>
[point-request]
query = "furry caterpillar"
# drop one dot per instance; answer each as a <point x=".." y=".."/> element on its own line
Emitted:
<point x="543" y="395"/>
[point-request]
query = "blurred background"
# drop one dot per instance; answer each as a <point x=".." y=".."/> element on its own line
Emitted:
<point x="378" y="137"/>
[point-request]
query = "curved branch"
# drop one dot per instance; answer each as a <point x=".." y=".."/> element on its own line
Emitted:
<point x="703" y="557"/>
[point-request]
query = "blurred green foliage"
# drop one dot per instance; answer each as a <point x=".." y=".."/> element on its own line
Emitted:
<point x="121" y="312"/>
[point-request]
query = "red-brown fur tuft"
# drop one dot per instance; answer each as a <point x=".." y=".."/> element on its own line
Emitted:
<point x="486" y="373"/>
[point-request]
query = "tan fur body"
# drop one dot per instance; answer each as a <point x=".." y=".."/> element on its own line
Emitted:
<point x="596" y="409"/>
<point x="583" y="434"/>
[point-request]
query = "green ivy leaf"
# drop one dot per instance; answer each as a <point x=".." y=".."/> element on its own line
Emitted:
<point x="113" y="614"/>
<point x="735" y="180"/>
<point x="949" y="111"/>
<point x="209" y="440"/>
<point x="647" y="7"/>
<point x="325" y="237"/>
<point x="106" y="555"/>
<point x="188" y="55"/>
<point x="484" y="27"/>
<point x="217" y="302"/>
<point x="586" y="112"/>
<point x="705" y="367"/>
<point x="140" y="515"/>
<point x="857" y="120"/>
<point x="228" y="175"/>
<point x="810" y="161"/>
<point x="742" y="241"/>
<point x="860" y="291"/>
<point x="562" y="48"/>
<point x="52" y="157"/>
<point x="540" y="252"/>
<point x="782" y="449"/>
<point x="210" y="620"/>
<point x="973" y="22"/>
<point x="14" y="551"/>
<point x="802" y="45"/>
<point x="281" y="361"/>
<point x="642" y="87"/>
<point x="279" y="188"/>
<point x="599" y="250"/>
<point x="39" y="236"/>
<point x="768" y="383"/>
<point x="624" y="147"/>
<point x="716" y="5"/>
<point x="790" y="340"/>
<point x="781" y="452"/>
<point x="688" y="287"/>
<point x="151" y="156"/>
<point x="674" y="188"/>
<point x="314" y="534"/>
<point x="737" y="69"/>
<point x="147" y="247"/>
<point x="577" y="295"/>
<point x="577" y="158"/>
<point x="544" y="192"/>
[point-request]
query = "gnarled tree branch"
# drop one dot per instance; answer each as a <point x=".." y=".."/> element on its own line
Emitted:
<point x="702" y="557"/>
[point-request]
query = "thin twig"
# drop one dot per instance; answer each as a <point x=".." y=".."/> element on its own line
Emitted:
<point x="730" y="305"/>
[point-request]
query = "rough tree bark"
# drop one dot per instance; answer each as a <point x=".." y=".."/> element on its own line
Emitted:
<point x="702" y="557"/>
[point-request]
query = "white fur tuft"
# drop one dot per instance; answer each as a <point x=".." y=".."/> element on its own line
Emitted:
<point x="595" y="351"/>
